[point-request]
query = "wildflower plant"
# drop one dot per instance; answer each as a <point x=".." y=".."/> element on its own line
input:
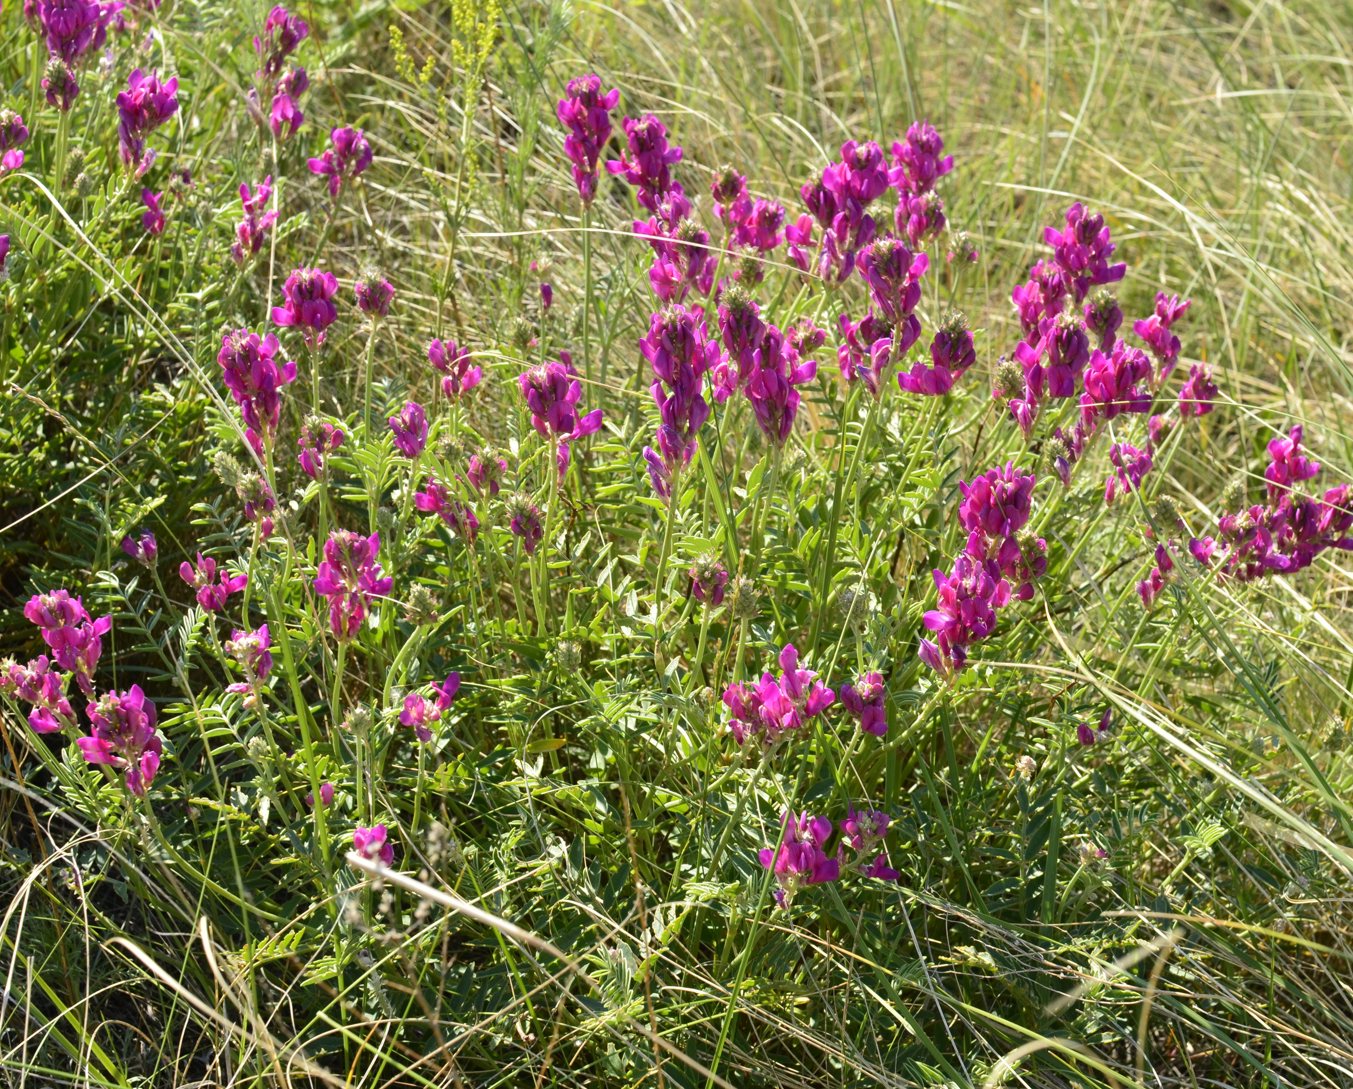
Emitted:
<point x="619" y="642"/>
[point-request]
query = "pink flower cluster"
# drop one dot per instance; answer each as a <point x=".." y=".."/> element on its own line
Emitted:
<point x="252" y="231"/>
<point x="254" y="377"/>
<point x="804" y="855"/>
<point x="1289" y="530"/>
<point x="420" y="713"/>
<point x="838" y="204"/>
<point x="350" y="577"/>
<point x="765" y="711"/>
<point x="282" y="33"/>
<point x="347" y="156"/>
<point x="455" y="364"/>
<point x="552" y="392"/>
<point x="143" y="107"/>
<point x="681" y="353"/>
<point x="213" y="586"/>
<point x="586" y="112"/>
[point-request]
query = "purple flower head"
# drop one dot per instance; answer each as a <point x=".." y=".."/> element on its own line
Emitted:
<point x="1039" y="298"/>
<point x="142" y="548"/>
<point x="966" y="606"/>
<point x="1061" y="353"/>
<point x="59" y="85"/>
<point x="122" y="735"/>
<point x="38" y="684"/>
<point x="864" y="700"/>
<point x="282" y="33"/>
<point x="350" y="577"/>
<point x="586" y="112"/>
<point x="454" y="362"/>
<point x="143" y="107"/>
<point x="213" y="588"/>
<point x="777" y="370"/>
<point x="285" y="116"/>
<point x="1082" y="251"/>
<point x="773" y="706"/>
<point x="997" y="503"/>
<point x="1103" y="317"/>
<point x="709" y="577"/>
<point x="255" y="378"/>
<point x="421" y="713"/>
<point x="1150" y="588"/>
<point x="862" y="175"/>
<point x="760" y="229"/>
<point x="4" y="255"/>
<point x="836" y="201"/>
<point x="952" y="352"/>
<point x="893" y="274"/>
<point x="326" y="796"/>
<point x="347" y="156"/>
<point x="374" y="843"/>
<point x="863" y="831"/>
<point x="152" y="219"/>
<point x="917" y="164"/>
<point x="74" y="638"/>
<point x="683" y="259"/>
<point x="680" y="351"/>
<point x="252" y="231"/>
<point x="920" y="218"/>
<point x="1155" y="332"/>
<point x="13" y="134"/>
<point x="410" y="429"/>
<point x="742" y="330"/>
<point x="524" y="521"/>
<point x="307" y="301"/>
<point x="552" y="392"/>
<point x="1114" y="384"/>
<point x="731" y="199"/>
<point x="857" y="355"/>
<point x="318" y="440"/>
<point x="72" y="27"/>
<point x="486" y="471"/>
<point x="1198" y="393"/>
<point x="252" y="652"/>
<point x="1130" y="465"/>
<point x="801" y="857"/>
<point x="648" y="164"/>
<point x="436" y="498"/>
<point x="1287" y="464"/>
<point x="1091" y="735"/>
<point x="374" y="295"/>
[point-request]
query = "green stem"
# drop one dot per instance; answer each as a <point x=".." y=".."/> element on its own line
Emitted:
<point x="366" y="406"/>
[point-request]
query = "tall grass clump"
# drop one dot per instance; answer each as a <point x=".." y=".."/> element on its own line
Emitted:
<point x="788" y="545"/>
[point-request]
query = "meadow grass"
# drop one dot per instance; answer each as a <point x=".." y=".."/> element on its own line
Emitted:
<point x="576" y="897"/>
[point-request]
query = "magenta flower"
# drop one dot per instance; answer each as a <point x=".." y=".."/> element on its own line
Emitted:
<point x="72" y="27"/>
<point x="252" y="652"/>
<point x="307" y="301"/>
<point x="1103" y="317"/>
<point x="709" y="577"/>
<point x="350" y="577"/>
<point x="524" y="521"/>
<point x="410" y="429"/>
<point x="1091" y="735"/>
<point x="1287" y="464"/>
<point x="326" y="796"/>
<point x="73" y="636"/>
<point x="1198" y="393"/>
<point x="374" y="295"/>
<point x="920" y="218"/>
<point x="454" y="362"/>
<point x="917" y="164"/>
<point x="648" y="164"/>
<point x="436" y="498"/>
<point x="421" y="713"/>
<point x="1082" y="251"/>
<point x="586" y="113"/>
<point x="837" y="201"/>
<point x="374" y="843"/>
<point x="348" y="155"/>
<point x="552" y="391"/>
<point x="742" y="330"/>
<point x="122" y="735"/>
<point x="1114" y="384"/>
<point x="777" y="371"/>
<point x="1155" y="331"/>
<point x="952" y="352"/>
<point x="59" y="85"/>
<point x="773" y="706"/>
<point x="282" y="33"/>
<point x="683" y="259"/>
<point x="801" y="857"/>
<point x="213" y="588"/>
<point x="1150" y="587"/>
<point x="42" y="687"/>
<point x="252" y="231"/>
<point x="4" y="255"/>
<point x="1040" y="298"/>
<point x="867" y="347"/>
<point x="1130" y="466"/>
<point x="965" y="611"/>
<point x="893" y="274"/>
<point x="255" y="378"/>
<point x="13" y="134"/>
<point x="863" y="699"/>
<point x="142" y="548"/>
<point x="285" y="116"/>
<point x="680" y="351"/>
<point x="318" y="440"/>
<point x="1056" y="355"/>
<point x="485" y="472"/>
<point x="143" y="107"/>
<point x="997" y="503"/>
